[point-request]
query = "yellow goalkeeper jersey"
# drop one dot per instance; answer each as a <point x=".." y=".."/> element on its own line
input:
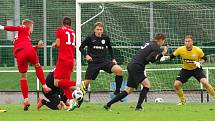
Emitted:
<point x="189" y="56"/>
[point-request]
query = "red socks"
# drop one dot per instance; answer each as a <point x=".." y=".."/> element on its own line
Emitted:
<point x="40" y="75"/>
<point x="24" y="88"/>
<point x="68" y="93"/>
<point x="66" y="84"/>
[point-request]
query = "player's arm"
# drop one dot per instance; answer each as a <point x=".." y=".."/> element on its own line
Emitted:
<point x="39" y="45"/>
<point x="170" y="57"/>
<point x="82" y="49"/>
<point x="110" y="50"/>
<point x="58" y="35"/>
<point x="156" y="54"/>
<point x="12" y="28"/>
<point x="56" y="44"/>
<point x="202" y="59"/>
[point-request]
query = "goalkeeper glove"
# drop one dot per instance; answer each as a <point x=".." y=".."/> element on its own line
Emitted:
<point x="198" y="64"/>
<point x="163" y="58"/>
<point x="1" y="27"/>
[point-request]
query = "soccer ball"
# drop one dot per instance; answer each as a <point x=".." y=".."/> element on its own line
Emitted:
<point x="77" y="94"/>
<point x="159" y="100"/>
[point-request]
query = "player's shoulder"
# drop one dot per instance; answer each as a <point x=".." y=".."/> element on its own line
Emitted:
<point x="59" y="28"/>
<point x="153" y="44"/>
<point x="197" y="48"/>
<point x="181" y="48"/>
<point x="24" y="27"/>
<point x="105" y="36"/>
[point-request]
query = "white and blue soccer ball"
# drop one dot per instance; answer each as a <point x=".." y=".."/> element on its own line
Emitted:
<point x="77" y="94"/>
<point x="159" y="100"/>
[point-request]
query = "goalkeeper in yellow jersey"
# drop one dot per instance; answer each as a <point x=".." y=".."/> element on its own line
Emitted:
<point x="192" y="58"/>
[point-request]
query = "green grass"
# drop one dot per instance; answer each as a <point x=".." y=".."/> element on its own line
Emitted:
<point x="120" y="112"/>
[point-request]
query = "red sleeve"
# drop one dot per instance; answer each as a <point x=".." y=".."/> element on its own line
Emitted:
<point x="35" y="47"/>
<point x="15" y="28"/>
<point x="58" y="32"/>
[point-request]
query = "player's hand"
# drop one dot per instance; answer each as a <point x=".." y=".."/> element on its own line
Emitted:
<point x="89" y="58"/>
<point x="164" y="58"/>
<point x="198" y="64"/>
<point x="40" y="44"/>
<point x="54" y="44"/>
<point x="1" y="27"/>
<point x="114" y="61"/>
<point x="165" y="50"/>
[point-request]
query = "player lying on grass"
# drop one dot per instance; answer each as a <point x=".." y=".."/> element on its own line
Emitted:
<point x="97" y="45"/>
<point x="192" y="58"/>
<point x="56" y="97"/>
<point x="148" y="53"/>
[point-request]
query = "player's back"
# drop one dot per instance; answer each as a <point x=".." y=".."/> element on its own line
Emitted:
<point x="67" y="43"/>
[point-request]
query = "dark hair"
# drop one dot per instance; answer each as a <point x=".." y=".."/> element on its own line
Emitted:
<point x="100" y="24"/>
<point x="159" y="36"/>
<point x="67" y="21"/>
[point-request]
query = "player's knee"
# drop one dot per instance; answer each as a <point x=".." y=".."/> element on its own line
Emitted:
<point x="23" y="76"/>
<point x="177" y="85"/>
<point x="117" y="70"/>
<point x="37" y="65"/>
<point x="146" y="83"/>
<point x="129" y="90"/>
<point x="56" y="82"/>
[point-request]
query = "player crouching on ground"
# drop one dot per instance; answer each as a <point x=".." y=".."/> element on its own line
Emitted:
<point x="57" y="99"/>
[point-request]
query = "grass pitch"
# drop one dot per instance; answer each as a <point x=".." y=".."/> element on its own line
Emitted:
<point x="120" y="112"/>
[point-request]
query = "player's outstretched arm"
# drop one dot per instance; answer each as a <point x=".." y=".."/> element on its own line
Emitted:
<point x="12" y="28"/>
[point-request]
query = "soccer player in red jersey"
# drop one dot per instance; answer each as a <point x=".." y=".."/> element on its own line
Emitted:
<point x="65" y="42"/>
<point x="24" y="53"/>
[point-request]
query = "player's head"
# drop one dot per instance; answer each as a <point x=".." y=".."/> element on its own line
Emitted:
<point x="98" y="29"/>
<point x="66" y="21"/>
<point x="28" y="23"/>
<point x="188" y="41"/>
<point x="160" y="38"/>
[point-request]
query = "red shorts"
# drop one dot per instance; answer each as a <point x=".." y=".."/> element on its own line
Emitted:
<point x="63" y="69"/>
<point x="24" y="56"/>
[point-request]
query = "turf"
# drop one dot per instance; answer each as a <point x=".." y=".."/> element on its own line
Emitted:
<point x="120" y="112"/>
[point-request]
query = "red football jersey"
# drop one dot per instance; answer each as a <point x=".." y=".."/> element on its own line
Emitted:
<point x="23" y="40"/>
<point x="67" y="43"/>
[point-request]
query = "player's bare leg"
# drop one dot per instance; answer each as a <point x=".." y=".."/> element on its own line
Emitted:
<point x="41" y="77"/>
<point x="24" y="89"/>
<point x="117" y="70"/>
<point x="208" y="87"/>
<point x="179" y="92"/>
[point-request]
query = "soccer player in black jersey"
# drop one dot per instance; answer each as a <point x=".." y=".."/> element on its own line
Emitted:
<point x="97" y="45"/>
<point x="148" y="53"/>
<point x="56" y="96"/>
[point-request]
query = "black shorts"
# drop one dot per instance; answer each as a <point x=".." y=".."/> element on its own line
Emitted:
<point x="94" y="68"/>
<point x="135" y="75"/>
<point x="184" y="74"/>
